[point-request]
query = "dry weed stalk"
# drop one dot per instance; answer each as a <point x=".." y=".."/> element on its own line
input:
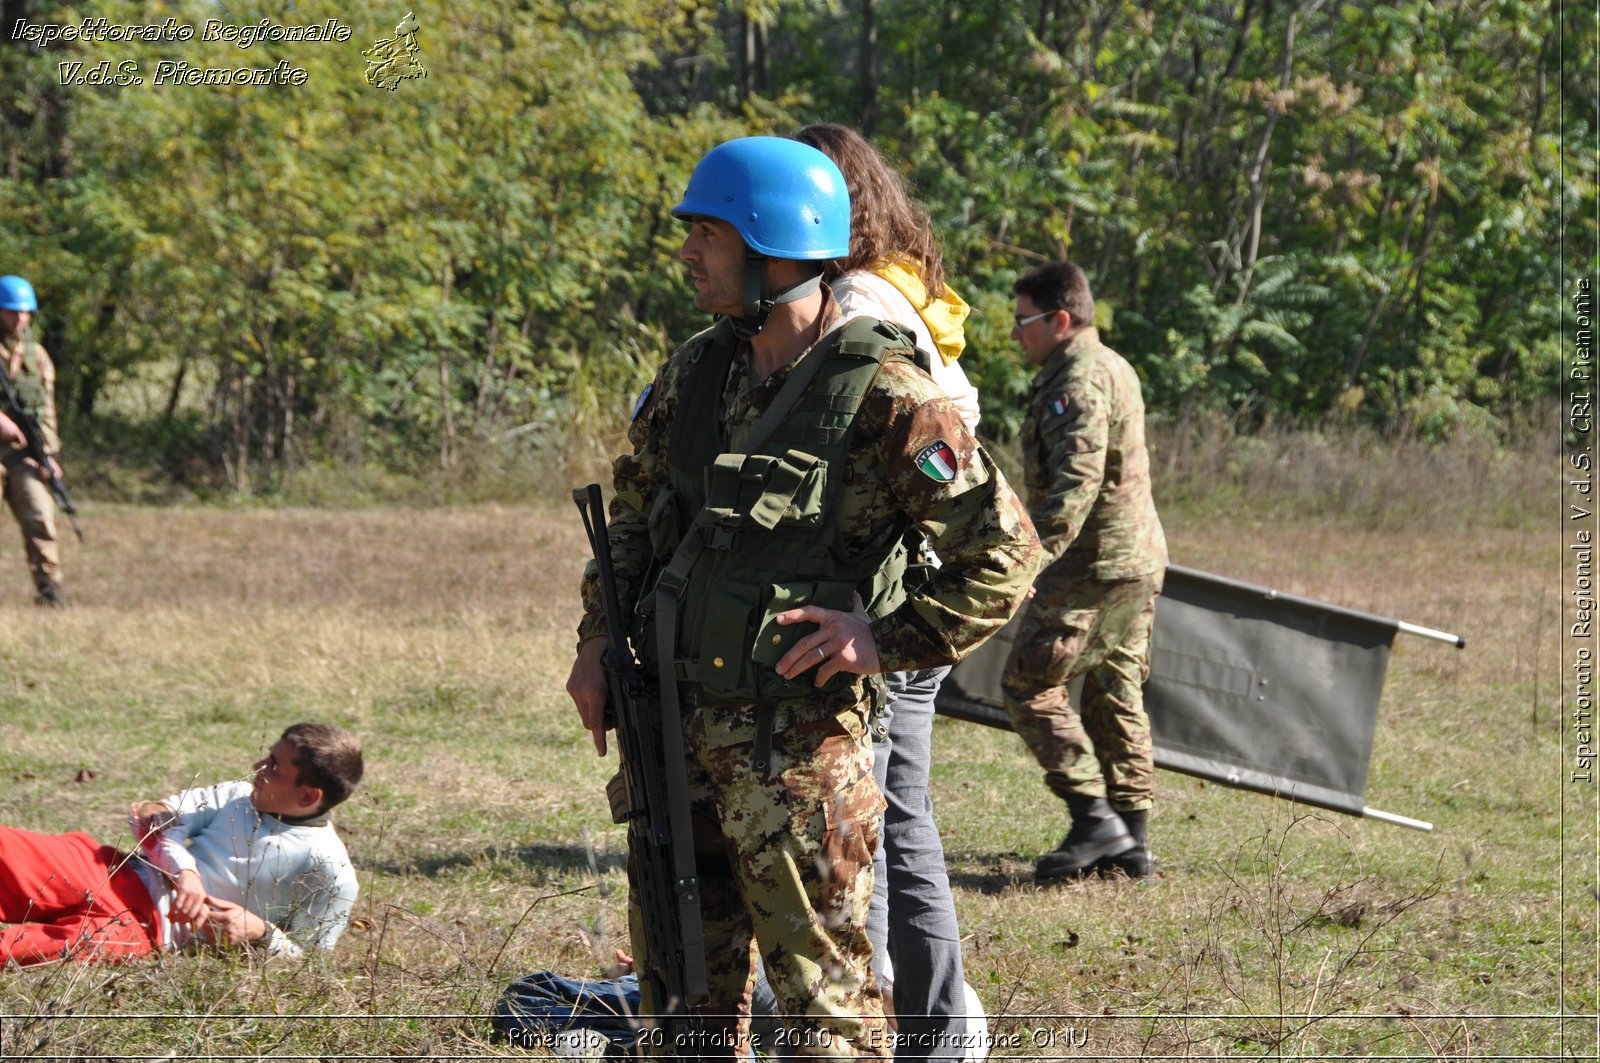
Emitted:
<point x="1267" y="899"/>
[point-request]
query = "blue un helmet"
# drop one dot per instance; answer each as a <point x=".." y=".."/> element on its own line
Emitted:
<point x="17" y="294"/>
<point x="785" y="199"/>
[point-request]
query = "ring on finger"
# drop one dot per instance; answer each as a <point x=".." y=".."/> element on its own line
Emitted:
<point x="822" y="653"/>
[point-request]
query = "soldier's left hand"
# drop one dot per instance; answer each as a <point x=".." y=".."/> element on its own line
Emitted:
<point x="843" y="642"/>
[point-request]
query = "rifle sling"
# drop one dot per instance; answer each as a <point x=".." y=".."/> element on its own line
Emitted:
<point x="675" y="768"/>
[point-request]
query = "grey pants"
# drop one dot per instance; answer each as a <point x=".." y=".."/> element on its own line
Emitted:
<point x="913" y="916"/>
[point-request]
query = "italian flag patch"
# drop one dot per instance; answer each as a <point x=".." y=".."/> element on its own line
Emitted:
<point x="1058" y="405"/>
<point x="938" y="462"/>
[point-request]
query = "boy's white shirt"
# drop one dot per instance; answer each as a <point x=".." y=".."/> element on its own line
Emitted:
<point x="295" y="876"/>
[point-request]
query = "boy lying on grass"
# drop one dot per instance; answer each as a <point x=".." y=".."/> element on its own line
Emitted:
<point x="250" y="862"/>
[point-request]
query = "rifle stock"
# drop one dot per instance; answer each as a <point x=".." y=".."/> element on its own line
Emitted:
<point x="660" y="842"/>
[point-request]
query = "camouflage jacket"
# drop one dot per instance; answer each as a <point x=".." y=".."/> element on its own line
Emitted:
<point x="1086" y="467"/>
<point x="33" y="377"/>
<point x="982" y="533"/>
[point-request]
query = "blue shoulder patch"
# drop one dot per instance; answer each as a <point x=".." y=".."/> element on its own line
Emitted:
<point x="644" y="397"/>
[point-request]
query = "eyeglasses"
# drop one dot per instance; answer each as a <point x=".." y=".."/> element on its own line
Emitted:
<point x="1024" y="322"/>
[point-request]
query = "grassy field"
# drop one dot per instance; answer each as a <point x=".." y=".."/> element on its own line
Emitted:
<point x="443" y="636"/>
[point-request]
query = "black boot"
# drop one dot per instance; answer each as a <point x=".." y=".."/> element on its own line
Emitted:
<point x="49" y="595"/>
<point x="1136" y="862"/>
<point x="1097" y="832"/>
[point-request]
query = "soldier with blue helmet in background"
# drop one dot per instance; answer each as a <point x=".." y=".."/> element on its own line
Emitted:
<point x="23" y="480"/>
<point x="779" y="461"/>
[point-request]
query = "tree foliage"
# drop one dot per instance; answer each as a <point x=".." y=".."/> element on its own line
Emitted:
<point x="1292" y="206"/>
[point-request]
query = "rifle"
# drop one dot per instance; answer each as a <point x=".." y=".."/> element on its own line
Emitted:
<point x="36" y="448"/>
<point x="660" y="842"/>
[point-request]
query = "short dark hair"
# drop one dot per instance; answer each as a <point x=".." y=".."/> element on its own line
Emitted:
<point x="1059" y="286"/>
<point x="326" y="757"/>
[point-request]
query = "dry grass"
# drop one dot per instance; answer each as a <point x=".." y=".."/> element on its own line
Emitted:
<point x="1389" y="480"/>
<point x="443" y="636"/>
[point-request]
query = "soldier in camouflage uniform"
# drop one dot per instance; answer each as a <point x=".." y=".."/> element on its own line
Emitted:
<point x="22" y="481"/>
<point x="1088" y="480"/>
<point x="797" y="592"/>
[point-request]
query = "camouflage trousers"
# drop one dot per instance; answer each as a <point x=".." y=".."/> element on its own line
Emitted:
<point x="31" y="503"/>
<point x="785" y="864"/>
<point x="1100" y="631"/>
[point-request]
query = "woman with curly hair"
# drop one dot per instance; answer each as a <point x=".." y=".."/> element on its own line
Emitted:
<point x="895" y="269"/>
<point x="895" y="272"/>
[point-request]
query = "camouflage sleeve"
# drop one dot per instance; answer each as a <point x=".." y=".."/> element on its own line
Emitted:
<point x="945" y="481"/>
<point x="1075" y="431"/>
<point x="635" y="479"/>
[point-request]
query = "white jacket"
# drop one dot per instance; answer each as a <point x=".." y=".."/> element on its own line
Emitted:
<point x="296" y="876"/>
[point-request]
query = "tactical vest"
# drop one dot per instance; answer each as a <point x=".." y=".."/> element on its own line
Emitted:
<point x="29" y="381"/>
<point x="767" y="523"/>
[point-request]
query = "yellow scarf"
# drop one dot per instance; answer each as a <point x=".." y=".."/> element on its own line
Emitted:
<point x="943" y="316"/>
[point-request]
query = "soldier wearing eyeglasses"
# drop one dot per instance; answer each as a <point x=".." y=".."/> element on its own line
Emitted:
<point x="1088" y="478"/>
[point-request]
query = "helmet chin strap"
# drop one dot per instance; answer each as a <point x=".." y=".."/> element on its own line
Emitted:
<point x="758" y="302"/>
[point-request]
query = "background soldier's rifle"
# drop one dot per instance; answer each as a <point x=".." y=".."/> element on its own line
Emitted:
<point x="660" y="841"/>
<point x="38" y="452"/>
